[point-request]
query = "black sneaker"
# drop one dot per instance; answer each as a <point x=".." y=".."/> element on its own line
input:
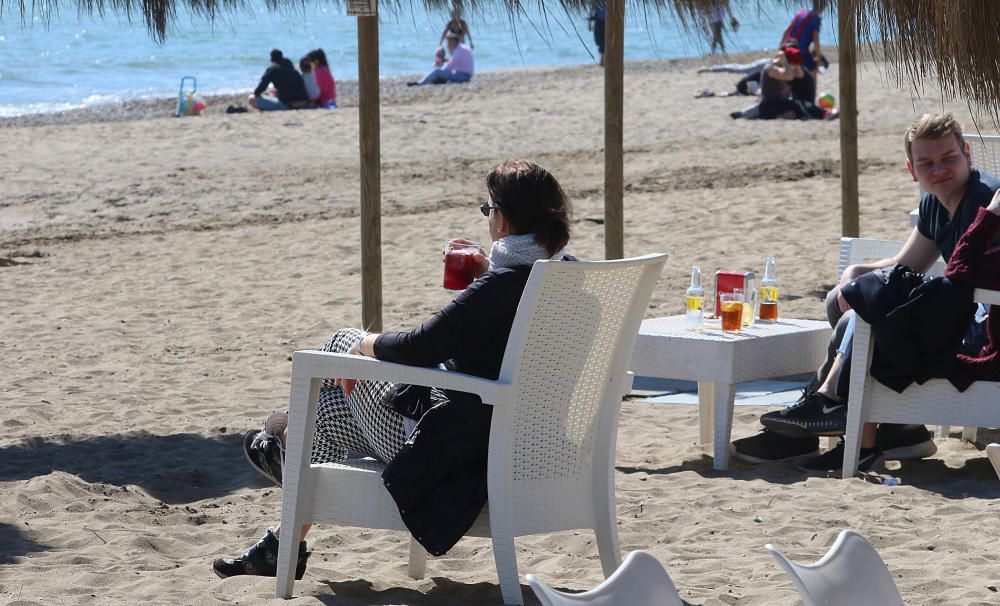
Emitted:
<point x="260" y="560"/>
<point x="769" y="446"/>
<point x="833" y="460"/>
<point x="904" y="442"/>
<point x="263" y="452"/>
<point x="813" y="415"/>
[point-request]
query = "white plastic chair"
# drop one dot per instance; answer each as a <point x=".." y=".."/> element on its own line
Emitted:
<point x="850" y="574"/>
<point x="552" y="438"/>
<point x="936" y="402"/>
<point x="640" y="581"/>
<point x="860" y="250"/>
<point x="993" y="452"/>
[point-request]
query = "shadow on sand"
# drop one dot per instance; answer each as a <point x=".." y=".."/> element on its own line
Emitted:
<point x="16" y="544"/>
<point x="180" y="468"/>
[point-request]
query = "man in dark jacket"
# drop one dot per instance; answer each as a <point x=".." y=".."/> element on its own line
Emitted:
<point x="939" y="159"/>
<point x="291" y="89"/>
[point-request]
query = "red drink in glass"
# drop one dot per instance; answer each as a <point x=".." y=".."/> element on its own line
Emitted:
<point x="459" y="265"/>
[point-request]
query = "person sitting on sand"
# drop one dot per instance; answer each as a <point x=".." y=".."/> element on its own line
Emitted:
<point x="324" y="78"/>
<point x="938" y="158"/>
<point x="778" y="85"/>
<point x="291" y="89"/>
<point x="309" y="79"/>
<point x="529" y="219"/>
<point x="458" y="69"/>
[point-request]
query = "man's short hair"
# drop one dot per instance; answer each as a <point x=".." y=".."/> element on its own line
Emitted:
<point x="933" y="126"/>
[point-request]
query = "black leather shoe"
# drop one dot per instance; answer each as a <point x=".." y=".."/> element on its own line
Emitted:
<point x="260" y="560"/>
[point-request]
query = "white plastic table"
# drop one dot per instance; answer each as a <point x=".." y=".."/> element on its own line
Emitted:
<point x="719" y="360"/>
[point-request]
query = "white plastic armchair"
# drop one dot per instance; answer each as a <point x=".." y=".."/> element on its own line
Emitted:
<point x="552" y="438"/>
<point x="640" y="581"/>
<point x="935" y="402"/>
<point x="850" y="574"/>
<point x="861" y="250"/>
<point x="993" y="452"/>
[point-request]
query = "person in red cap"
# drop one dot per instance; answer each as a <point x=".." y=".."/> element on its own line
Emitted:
<point x="775" y="81"/>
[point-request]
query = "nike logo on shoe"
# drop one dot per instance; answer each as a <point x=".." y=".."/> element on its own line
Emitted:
<point x="828" y="409"/>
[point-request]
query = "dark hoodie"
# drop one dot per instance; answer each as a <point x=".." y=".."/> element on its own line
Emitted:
<point x="284" y="77"/>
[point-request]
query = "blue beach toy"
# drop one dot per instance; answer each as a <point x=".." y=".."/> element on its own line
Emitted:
<point x="189" y="102"/>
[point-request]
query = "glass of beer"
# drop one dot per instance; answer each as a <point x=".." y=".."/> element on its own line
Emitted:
<point x="768" y="304"/>
<point x="732" y="310"/>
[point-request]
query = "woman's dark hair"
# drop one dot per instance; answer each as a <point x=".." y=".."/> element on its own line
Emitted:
<point x="532" y="201"/>
<point x="276" y="55"/>
<point x="318" y="56"/>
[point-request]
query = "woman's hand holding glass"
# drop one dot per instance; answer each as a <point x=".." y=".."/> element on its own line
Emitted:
<point x="480" y="258"/>
<point x="364" y="347"/>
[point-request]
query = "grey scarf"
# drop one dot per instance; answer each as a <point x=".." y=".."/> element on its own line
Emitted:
<point x="511" y="251"/>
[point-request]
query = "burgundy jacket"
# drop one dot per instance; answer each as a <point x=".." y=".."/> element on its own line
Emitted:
<point x="976" y="262"/>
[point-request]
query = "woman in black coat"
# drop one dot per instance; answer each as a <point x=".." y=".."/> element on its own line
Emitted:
<point x="433" y="441"/>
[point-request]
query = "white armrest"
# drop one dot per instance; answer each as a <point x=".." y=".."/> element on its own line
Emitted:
<point x="990" y="297"/>
<point x="308" y="364"/>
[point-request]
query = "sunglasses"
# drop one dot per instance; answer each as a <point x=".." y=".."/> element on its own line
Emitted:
<point x="486" y="207"/>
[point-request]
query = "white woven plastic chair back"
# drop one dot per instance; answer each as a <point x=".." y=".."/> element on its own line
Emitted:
<point x="985" y="152"/>
<point x="862" y="250"/>
<point x="850" y="574"/>
<point x="640" y="581"/>
<point x="993" y="452"/>
<point x="569" y="365"/>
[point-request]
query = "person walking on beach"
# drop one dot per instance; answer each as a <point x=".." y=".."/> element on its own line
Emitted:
<point x="459" y="67"/>
<point x="719" y="14"/>
<point x="938" y="158"/>
<point x="440" y="470"/>
<point x="457" y="25"/>
<point x="291" y="89"/>
<point x="595" y="22"/>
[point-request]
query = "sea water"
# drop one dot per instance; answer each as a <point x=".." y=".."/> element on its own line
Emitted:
<point x="64" y="61"/>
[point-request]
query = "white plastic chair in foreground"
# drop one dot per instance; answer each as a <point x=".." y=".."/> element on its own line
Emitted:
<point x="555" y="419"/>
<point x="993" y="452"/>
<point x="640" y="581"/>
<point x="850" y="574"/>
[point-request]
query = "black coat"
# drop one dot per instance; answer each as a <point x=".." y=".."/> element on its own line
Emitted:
<point x="917" y="323"/>
<point x="438" y="477"/>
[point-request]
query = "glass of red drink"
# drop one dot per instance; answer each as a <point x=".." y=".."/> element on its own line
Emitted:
<point x="460" y="267"/>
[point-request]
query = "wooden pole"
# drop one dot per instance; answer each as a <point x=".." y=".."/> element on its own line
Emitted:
<point x="371" y="189"/>
<point x="614" y="86"/>
<point x="848" y="65"/>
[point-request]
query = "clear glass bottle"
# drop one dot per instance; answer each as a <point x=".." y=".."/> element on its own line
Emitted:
<point x="694" y="301"/>
<point x="769" y="292"/>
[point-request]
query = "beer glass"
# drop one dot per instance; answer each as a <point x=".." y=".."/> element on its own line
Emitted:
<point x="732" y="310"/>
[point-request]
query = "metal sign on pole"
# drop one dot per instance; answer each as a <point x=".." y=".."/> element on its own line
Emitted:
<point x="362" y="8"/>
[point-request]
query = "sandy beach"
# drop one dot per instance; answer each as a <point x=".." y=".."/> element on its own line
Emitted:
<point x="158" y="272"/>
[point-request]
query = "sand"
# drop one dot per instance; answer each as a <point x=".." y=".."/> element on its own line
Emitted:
<point x="159" y="272"/>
